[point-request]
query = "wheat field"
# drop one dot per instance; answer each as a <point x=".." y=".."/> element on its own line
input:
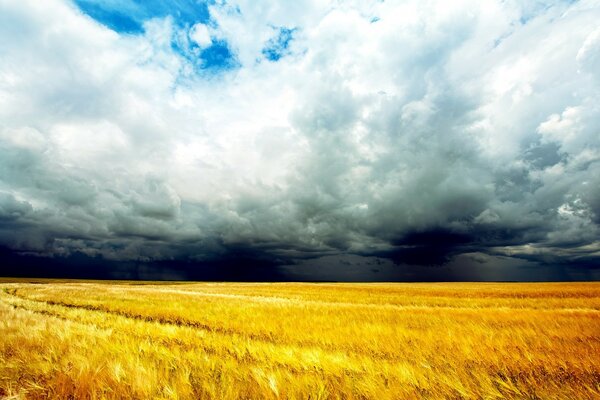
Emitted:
<point x="126" y="340"/>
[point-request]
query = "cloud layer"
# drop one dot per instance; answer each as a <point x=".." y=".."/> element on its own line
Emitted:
<point x="418" y="133"/>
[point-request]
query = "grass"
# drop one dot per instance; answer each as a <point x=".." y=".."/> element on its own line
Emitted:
<point x="61" y="339"/>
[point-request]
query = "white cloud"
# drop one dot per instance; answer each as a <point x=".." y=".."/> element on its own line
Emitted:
<point x="588" y="55"/>
<point x="200" y="34"/>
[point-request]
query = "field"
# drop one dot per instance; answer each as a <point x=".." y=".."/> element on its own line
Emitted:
<point x="306" y="341"/>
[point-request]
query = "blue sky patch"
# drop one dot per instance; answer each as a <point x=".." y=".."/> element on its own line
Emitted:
<point x="277" y="47"/>
<point x="128" y="17"/>
<point x="115" y="19"/>
<point x="218" y="56"/>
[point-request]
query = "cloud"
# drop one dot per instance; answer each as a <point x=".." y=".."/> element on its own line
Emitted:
<point x="275" y="135"/>
<point x="588" y="56"/>
<point x="201" y="35"/>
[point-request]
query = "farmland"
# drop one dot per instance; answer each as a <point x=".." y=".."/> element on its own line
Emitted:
<point x="63" y="339"/>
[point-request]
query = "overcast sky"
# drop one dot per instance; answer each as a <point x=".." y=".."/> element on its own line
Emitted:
<point x="338" y="140"/>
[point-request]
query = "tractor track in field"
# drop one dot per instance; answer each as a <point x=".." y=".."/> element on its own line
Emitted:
<point x="167" y="343"/>
<point x="150" y="319"/>
<point x="307" y="345"/>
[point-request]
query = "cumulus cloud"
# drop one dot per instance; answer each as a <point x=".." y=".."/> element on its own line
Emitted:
<point x="416" y="133"/>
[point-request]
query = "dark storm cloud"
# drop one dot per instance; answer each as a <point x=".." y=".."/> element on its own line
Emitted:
<point x="425" y="146"/>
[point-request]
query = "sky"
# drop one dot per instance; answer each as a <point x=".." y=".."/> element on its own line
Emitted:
<point x="306" y="140"/>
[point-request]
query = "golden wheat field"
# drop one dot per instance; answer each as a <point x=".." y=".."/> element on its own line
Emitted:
<point x="126" y="340"/>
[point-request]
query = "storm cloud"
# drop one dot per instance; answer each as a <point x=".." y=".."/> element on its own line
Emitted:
<point x="415" y="140"/>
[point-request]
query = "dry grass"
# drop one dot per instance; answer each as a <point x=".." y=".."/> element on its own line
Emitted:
<point x="317" y="341"/>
